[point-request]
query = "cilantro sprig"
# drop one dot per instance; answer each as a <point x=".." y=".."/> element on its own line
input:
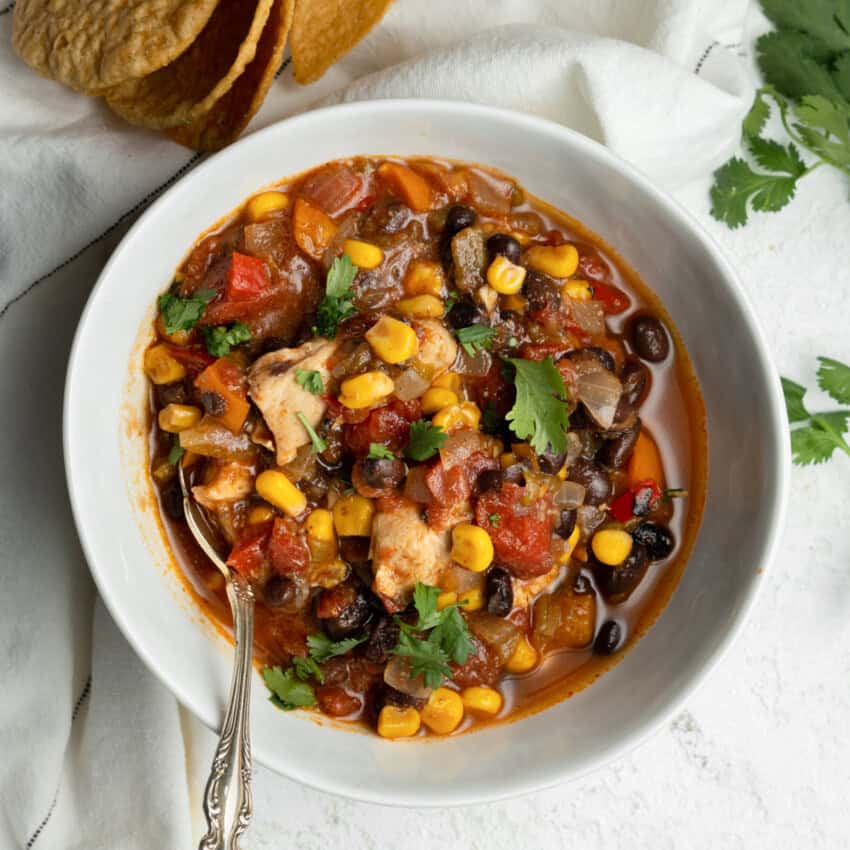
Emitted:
<point x="219" y="340"/>
<point x="816" y="436"/>
<point x="288" y="691"/>
<point x="338" y="303"/>
<point x="319" y="445"/>
<point x="182" y="314"/>
<point x="474" y="338"/>
<point x="539" y="414"/>
<point x="805" y="63"/>
<point x="311" y="380"/>
<point x="448" y="638"/>
<point x="425" y="440"/>
<point x="378" y="451"/>
<point x="323" y="648"/>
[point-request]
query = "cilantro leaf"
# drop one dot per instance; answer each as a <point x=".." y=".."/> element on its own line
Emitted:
<point x="182" y="314"/>
<point x="306" y="667"/>
<point x="311" y="380"/>
<point x="453" y="635"/>
<point x="814" y="445"/>
<point x="221" y="339"/>
<point x="427" y="659"/>
<point x="834" y="378"/>
<point x="425" y="602"/>
<point x="816" y="17"/>
<point x="735" y="183"/>
<point x="841" y="74"/>
<point x="775" y="157"/>
<point x="338" y="303"/>
<point x="794" y="400"/>
<point x="378" y="451"/>
<point x="495" y="520"/>
<point x="288" y="691"/>
<point x="824" y="129"/>
<point x="322" y="647"/>
<point x="793" y="63"/>
<point x="757" y="116"/>
<point x="319" y="445"/>
<point x="474" y="338"/>
<point x="177" y="451"/>
<point x="539" y="414"/>
<point x="425" y="439"/>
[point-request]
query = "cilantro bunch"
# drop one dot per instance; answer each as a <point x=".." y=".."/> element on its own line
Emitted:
<point x="815" y="436"/>
<point x="806" y="65"/>
<point x="338" y="303"/>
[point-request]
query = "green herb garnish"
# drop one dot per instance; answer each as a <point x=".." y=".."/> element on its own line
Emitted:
<point x="815" y="436"/>
<point x="319" y="445"/>
<point x="539" y="414"/>
<point x="305" y="668"/>
<point x="182" y="314"/>
<point x="338" y="303"/>
<point x="378" y="451"/>
<point x="288" y="691"/>
<point x="495" y="520"/>
<point x="177" y="451"/>
<point x="425" y="440"/>
<point x="475" y="338"/>
<point x="221" y="339"/>
<point x="322" y="647"/>
<point x="311" y="380"/>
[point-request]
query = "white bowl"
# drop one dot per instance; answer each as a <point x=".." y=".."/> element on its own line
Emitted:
<point x="748" y="455"/>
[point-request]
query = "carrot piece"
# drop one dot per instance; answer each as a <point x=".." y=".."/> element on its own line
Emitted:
<point x="312" y="229"/>
<point x="645" y="462"/>
<point x="411" y="187"/>
<point x="227" y="402"/>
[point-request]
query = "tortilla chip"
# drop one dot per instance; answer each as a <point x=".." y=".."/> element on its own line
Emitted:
<point x="91" y="45"/>
<point x="323" y="31"/>
<point x="225" y="122"/>
<point x="183" y="91"/>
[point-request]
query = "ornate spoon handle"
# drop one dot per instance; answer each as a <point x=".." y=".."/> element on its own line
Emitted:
<point x="229" y="786"/>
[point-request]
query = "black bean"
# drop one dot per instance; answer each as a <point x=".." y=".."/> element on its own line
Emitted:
<point x="592" y="355"/>
<point x="504" y="245"/>
<point x="172" y="499"/>
<point x="381" y="694"/>
<point x="279" y="591"/>
<point x="489" y="479"/>
<point x="514" y="474"/>
<point x="354" y="550"/>
<point x="616" y="451"/>
<point x="463" y="314"/>
<point x="593" y="478"/>
<point x="314" y="484"/>
<point x="213" y="403"/>
<point x="458" y="218"/>
<point x="382" y="641"/>
<point x="551" y="461"/>
<point x="171" y="394"/>
<point x="541" y="292"/>
<point x="635" y="378"/>
<point x="383" y="473"/>
<point x="566" y="523"/>
<point x="582" y="585"/>
<point x="351" y="620"/>
<point x="657" y="539"/>
<point x="499" y="592"/>
<point x="617" y="583"/>
<point x="650" y="339"/>
<point x="608" y="638"/>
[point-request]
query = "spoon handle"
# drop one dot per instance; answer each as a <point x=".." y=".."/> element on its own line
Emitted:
<point x="229" y="786"/>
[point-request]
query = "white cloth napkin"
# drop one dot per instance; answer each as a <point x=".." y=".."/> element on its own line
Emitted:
<point x="94" y="752"/>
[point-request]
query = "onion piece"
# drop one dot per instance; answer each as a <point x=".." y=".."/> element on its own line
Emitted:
<point x="490" y="193"/>
<point x="210" y="439"/>
<point x="461" y="580"/>
<point x="478" y="365"/>
<point x="588" y="315"/>
<point x="397" y="675"/>
<point x="410" y="384"/>
<point x="500" y="635"/>
<point x="600" y="392"/>
<point x="569" y="495"/>
<point x="354" y="363"/>
<point x="415" y="487"/>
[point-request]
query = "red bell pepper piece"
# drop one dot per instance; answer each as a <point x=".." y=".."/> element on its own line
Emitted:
<point x="247" y="278"/>
<point x="613" y="300"/>
<point x="622" y="508"/>
<point x="636" y="501"/>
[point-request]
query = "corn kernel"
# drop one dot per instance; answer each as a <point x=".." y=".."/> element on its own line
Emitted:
<point x="481" y="700"/>
<point x="504" y="276"/>
<point x="524" y="657"/>
<point x="516" y="303"/>
<point x="353" y="516"/>
<point x="265" y="204"/>
<point x="424" y="277"/>
<point x="443" y="711"/>
<point x="436" y="398"/>
<point x="163" y="471"/>
<point x="507" y="459"/>
<point x="578" y="290"/>
<point x="175" y="418"/>
<point x="570" y="545"/>
<point x="278" y="490"/>
<point x="364" y="255"/>
<point x="320" y="525"/>
<point x="366" y="390"/>
<point x="611" y="546"/>
<point x="448" y="381"/>
<point x="446" y="598"/>
<point x="471" y="600"/>
<point x="394" y="722"/>
<point x="458" y="416"/>
<point x="421" y="307"/>
<point x="260" y="513"/>
<point x="472" y="547"/>
<point x="562" y="473"/>
<point x="554" y="260"/>
<point x="161" y="367"/>
<point x="393" y="341"/>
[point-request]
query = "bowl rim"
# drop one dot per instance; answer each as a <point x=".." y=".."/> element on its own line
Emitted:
<point x="583" y="146"/>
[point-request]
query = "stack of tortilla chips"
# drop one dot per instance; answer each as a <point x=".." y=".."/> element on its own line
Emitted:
<point x="196" y="69"/>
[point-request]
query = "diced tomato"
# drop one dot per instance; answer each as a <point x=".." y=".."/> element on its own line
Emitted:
<point x="222" y="385"/>
<point x="520" y="533"/>
<point x="247" y="278"/>
<point x="249" y="557"/>
<point x="492" y="389"/>
<point x="388" y="425"/>
<point x="592" y="267"/>
<point x="638" y="500"/>
<point x="622" y="508"/>
<point x="613" y="300"/>
<point x="194" y="357"/>
<point x="447" y="486"/>
<point x="288" y="550"/>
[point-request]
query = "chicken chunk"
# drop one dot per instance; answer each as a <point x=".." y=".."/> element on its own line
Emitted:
<point x="437" y="348"/>
<point x="230" y="482"/>
<point x="404" y="551"/>
<point x="273" y="388"/>
<point x="526" y="589"/>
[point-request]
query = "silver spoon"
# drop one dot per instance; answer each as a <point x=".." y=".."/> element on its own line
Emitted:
<point x="228" y="792"/>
